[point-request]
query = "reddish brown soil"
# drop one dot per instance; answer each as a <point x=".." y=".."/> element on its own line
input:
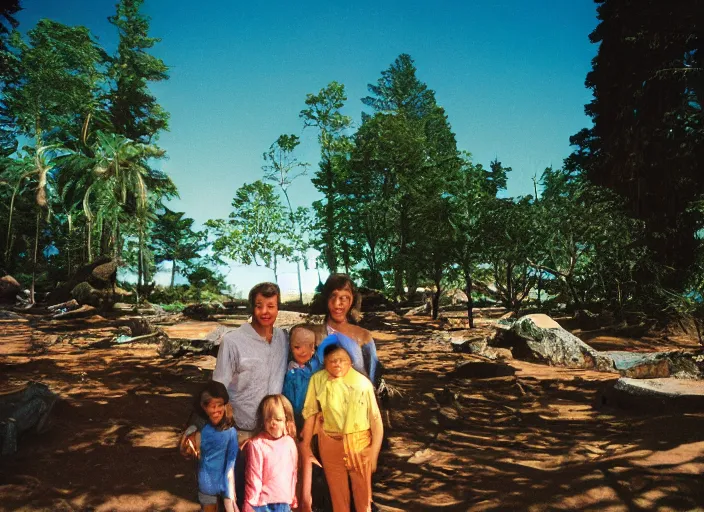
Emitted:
<point x="531" y="442"/>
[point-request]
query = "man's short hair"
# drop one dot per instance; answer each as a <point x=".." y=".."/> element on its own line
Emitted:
<point x="265" y="290"/>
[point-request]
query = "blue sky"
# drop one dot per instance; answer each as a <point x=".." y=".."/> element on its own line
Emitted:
<point x="509" y="73"/>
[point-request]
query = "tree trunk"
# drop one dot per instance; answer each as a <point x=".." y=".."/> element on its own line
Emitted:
<point x="329" y="236"/>
<point x="173" y="273"/>
<point x="398" y="281"/>
<point x="140" y="261"/>
<point x="34" y="263"/>
<point x="8" y="241"/>
<point x="276" y="270"/>
<point x="89" y="243"/>
<point x="300" y="288"/>
<point x="105" y="234"/>
<point x="436" y="300"/>
<point x="470" y="302"/>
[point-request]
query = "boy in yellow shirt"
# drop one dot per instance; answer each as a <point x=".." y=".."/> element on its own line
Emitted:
<point x="351" y="432"/>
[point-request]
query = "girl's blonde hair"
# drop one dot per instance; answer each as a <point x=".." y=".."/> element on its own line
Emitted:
<point x="318" y="331"/>
<point x="266" y="408"/>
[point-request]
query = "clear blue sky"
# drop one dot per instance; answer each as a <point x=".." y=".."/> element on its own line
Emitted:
<point x="509" y="73"/>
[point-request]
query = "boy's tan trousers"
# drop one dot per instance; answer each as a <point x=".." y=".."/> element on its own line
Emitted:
<point x="337" y="465"/>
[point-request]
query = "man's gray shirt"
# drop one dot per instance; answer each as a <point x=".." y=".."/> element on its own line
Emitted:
<point x="251" y="368"/>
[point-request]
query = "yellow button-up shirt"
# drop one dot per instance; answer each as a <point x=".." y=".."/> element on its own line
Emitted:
<point x="347" y="403"/>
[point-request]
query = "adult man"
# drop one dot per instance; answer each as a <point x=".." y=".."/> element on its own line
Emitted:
<point x="251" y="360"/>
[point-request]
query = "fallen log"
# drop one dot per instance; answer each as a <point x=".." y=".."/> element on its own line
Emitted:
<point x="64" y="306"/>
<point x="82" y="311"/>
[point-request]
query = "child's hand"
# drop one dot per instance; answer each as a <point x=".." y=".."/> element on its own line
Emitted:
<point x="306" y="503"/>
<point x="187" y="445"/>
<point x="307" y="455"/>
<point x="230" y="505"/>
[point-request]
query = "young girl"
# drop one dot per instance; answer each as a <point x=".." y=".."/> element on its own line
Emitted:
<point x="216" y="448"/>
<point x="272" y="459"/>
<point x="350" y="436"/>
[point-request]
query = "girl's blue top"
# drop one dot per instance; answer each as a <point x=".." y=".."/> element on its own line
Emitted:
<point x="218" y="452"/>
<point x="296" y="385"/>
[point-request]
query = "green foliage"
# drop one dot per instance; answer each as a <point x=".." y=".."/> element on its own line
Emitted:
<point x="256" y="230"/>
<point x="134" y="111"/>
<point x="324" y="113"/>
<point x="57" y="77"/>
<point x="174" y="240"/>
<point x="403" y="168"/>
<point x="282" y="168"/>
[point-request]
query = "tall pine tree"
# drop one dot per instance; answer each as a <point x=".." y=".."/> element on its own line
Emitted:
<point x="134" y="111"/>
<point x="647" y="141"/>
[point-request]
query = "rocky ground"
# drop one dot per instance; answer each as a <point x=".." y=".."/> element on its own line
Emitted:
<point x="533" y="439"/>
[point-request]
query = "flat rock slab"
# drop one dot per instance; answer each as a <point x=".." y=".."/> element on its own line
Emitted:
<point x="654" y="365"/>
<point x="671" y="388"/>
<point x="211" y="331"/>
<point x="655" y="395"/>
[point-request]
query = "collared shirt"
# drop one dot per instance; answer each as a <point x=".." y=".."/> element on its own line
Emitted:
<point x="347" y="403"/>
<point x="251" y="368"/>
<point x="272" y="468"/>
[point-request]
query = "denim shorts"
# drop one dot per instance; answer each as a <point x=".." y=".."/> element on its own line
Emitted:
<point x="273" y="507"/>
<point x="207" y="499"/>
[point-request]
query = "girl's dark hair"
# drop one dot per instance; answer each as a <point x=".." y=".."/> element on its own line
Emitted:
<point x="214" y="389"/>
<point x="331" y="348"/>
<point x="264" y="409"/>
<point x="340" y="282"/>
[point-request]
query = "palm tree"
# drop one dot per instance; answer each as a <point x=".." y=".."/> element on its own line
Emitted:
<point x="112" y="176"/>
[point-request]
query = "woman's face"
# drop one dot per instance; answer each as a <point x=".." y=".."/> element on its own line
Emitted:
<point x="338" y="363"/>
<point x="339" y="304"/>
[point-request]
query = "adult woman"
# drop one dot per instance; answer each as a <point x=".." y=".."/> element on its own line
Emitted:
<point x="339" y="294"/>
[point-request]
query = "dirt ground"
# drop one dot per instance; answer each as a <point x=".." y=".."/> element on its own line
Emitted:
<point x="531" y="441"/>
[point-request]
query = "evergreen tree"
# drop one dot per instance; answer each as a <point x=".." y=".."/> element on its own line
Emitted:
<point x="647" y="141"/>
<point x="174" y="240"/>
<point x="134" y="111"/>
<point x="324" y="113"/>
<point x="411" y="145"/>
<point x="8" y="70"/>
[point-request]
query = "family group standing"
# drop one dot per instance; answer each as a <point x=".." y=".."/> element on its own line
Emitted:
<point x="276" y="400"/>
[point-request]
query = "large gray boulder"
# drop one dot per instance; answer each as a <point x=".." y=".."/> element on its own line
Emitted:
<point x="22" y="410"/>
<point x="541" y="338"/>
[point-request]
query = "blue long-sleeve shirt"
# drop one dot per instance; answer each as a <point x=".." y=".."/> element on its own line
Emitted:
<point x="218" y="453"/>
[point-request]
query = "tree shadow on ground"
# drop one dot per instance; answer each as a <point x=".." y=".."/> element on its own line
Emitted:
<point x="527" y="442"/>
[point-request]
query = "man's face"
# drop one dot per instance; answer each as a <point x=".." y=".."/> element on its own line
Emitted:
<point x="265" y="310"/>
